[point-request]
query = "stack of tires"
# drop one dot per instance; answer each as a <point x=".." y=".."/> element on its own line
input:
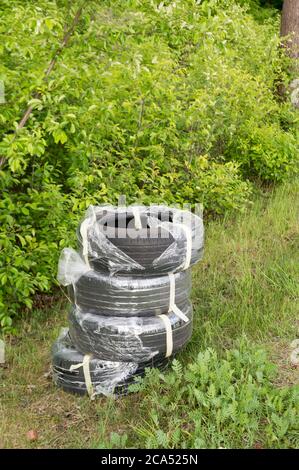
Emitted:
<point x="129" y="285"/>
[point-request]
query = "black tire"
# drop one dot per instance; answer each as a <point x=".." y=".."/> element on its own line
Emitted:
<point x="135" y="339"/>
<point x="140" y="253"/>
<point x="99" y="293"/>
<point x="106" y="376"/>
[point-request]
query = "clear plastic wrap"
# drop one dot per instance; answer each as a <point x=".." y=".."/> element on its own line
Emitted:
<point x="136" y="339"/>
<point x="141" y="240"/>
<point x="70" y="267"/>
<point x="106" y="377"/>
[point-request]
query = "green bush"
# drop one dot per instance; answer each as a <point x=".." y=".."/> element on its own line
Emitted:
<point x="170" y="102"/>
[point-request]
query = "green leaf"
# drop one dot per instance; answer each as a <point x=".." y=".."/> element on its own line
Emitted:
<point x="59" y="136"/>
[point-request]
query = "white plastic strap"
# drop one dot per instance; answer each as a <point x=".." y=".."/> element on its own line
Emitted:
<point x="188" y="235"/>
<point x="86" y="372"/>
<point x="137" y="219"/>
<point x="83" y="230"/>
<point x="172" y="306"/>
<point x="88" y="222"/>
<point x="169" y="338"/>
<point x="74" y="293"/>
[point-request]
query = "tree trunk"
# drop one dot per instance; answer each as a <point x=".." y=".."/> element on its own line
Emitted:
<point x="290" y="26"/>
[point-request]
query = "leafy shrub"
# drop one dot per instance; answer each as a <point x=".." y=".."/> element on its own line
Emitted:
<point x="158" y="101"/>
<point x="217" y="402"/>
<point x="33" y="231"/>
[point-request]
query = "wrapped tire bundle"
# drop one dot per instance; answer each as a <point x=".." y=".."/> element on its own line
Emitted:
<point x="137" y="339"/>
<point x="117" y="296"/>
<point x="140" y="240"/>
<point x="106" y="377"/>
<point x="130" y="286"/>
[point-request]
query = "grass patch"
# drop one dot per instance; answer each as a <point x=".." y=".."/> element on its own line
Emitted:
<point x="246" y="285"/>
<point x="248" y="280"/>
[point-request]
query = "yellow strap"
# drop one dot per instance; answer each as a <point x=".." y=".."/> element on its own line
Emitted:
<point x="88" y="222"/>
<point x="169" y="338"/>
<point x="86" y="372"/>
<point x="83" y="230"/>
<point x="172" y="306"/>
<point x="188" y="235"/>
<point x="137" y="219"/>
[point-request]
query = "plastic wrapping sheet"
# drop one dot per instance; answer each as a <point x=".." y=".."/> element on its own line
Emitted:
<point x="141" y="240"/>
<point x="102" y="294"/>
<point x="107" y="377"/>
<point x="70" y="267"/>
<point x="136" y="339"/>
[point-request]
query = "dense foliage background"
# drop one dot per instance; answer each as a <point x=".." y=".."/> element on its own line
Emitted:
<point x="160" y="101"/>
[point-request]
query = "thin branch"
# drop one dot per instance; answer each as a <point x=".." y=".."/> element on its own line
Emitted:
<point x="49" y="69"/>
